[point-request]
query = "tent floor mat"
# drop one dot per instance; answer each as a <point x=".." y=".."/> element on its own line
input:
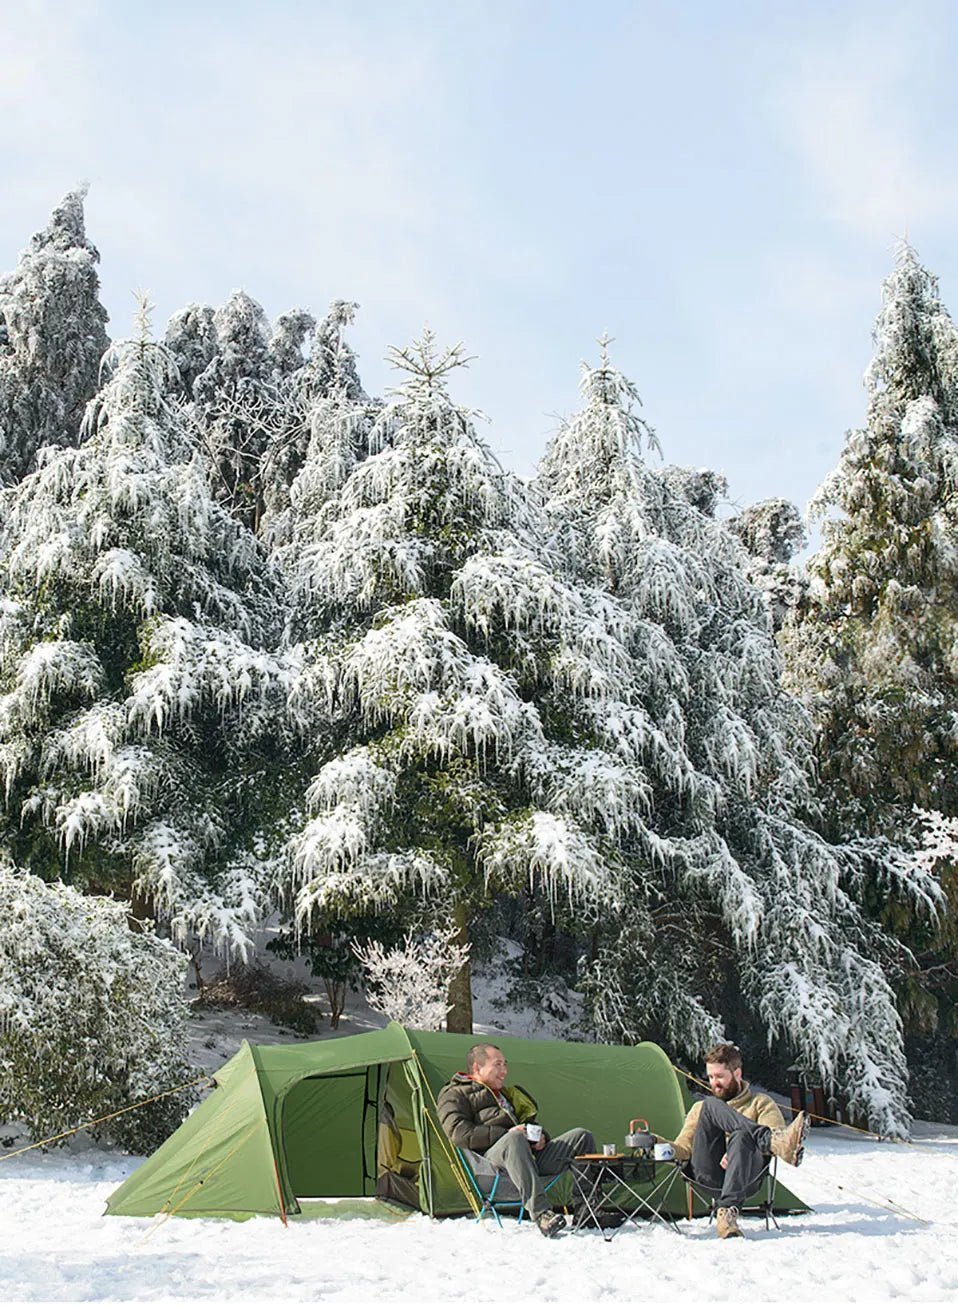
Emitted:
<point x="350" y="1208"/>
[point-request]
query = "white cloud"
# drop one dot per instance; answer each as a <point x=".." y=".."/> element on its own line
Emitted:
<point x="851" y="111"/>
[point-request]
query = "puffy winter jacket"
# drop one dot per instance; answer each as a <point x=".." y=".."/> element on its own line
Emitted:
<point x="473" y="1118"/>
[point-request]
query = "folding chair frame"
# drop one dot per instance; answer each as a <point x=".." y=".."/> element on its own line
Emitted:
<point x="488" y="1203"/>
<point x="766" y="1208"/>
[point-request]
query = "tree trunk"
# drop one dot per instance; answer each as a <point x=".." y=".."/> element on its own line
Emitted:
<point x="336" y="993"/>
<point x="195" y="959"/>
<point x="459" y="1019"/>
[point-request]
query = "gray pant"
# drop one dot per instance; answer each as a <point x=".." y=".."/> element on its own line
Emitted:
<point x="513" y="1153"/>
<point x="723" y="1131"/>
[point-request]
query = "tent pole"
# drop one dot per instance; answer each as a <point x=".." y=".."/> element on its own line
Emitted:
<point x="456" y="1165"/>
<point x="279" y="1189"/>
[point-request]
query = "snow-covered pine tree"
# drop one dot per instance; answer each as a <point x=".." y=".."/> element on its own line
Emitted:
<point x="139" y="705"/>
<point x="328" y="374"/>
<point x="332" y="364"/>
<point x="190" y="341"/>
<point x="730" y="883"/>
<point x="52" y="337"/>
<point x="252" y="398"/>
<point x="460" y="674"/>
<point x="772" y="532"/>
<point x="872" y="650"/>
<point x="290" y="332"/>
<point x="237" y="405"/>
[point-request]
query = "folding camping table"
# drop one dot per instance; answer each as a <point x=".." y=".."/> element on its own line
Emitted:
<point x="606" y="1185"/>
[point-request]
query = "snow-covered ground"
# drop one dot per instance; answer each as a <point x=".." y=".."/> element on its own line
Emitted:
<point x="55" y="1246"/>
<point x="885" y="1225"/>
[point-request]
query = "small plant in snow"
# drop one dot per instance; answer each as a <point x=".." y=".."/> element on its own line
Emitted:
<point x="411" y="983"/>
<point x="91" y="1014"/>
<point x="939" y="840"/>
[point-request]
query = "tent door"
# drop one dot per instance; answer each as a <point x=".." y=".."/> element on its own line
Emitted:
<point x="328" y="1128"/>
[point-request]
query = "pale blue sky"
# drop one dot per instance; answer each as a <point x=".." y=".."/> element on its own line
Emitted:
<point x="718" y="185"/>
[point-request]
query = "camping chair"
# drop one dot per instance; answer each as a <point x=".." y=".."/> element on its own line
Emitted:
<point x="493" y="1187"/>
<point x="767" y="1180"/>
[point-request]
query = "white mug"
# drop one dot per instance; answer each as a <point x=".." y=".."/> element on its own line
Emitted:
<point x="609" y="1149"/>
<point x="534" y="1133"/>
<point x="664" y="1152"/>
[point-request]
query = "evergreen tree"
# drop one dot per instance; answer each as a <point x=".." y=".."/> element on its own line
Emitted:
<point x="332" y="362"/>
<point x="329" y="374"/>
<point x="731" y="892"/>
<point x="139" y="706"/>
<point x="250" y="400"/>
<point x="52" y="339"/>
<point x="872" y="648"/>
<point x="191" y="343"/>
<point x="290" y="333"/>
<point x="771" y="532"/>
<point x="459" y="675"/>
<point x="235" y="405"/>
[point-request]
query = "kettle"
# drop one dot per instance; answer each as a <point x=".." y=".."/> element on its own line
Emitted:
<point x="641" y="1140"/>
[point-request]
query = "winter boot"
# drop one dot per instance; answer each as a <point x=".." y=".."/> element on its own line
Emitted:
<point x="726" y="1222"/>
<point x="787" y="1142"/>
<point x="550" y="1223"/>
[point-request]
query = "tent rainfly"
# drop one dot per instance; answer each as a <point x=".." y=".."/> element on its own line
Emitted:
<point x="355" y="1117"/>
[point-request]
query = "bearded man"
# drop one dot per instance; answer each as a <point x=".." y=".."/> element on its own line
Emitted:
<point x="726" y="1139"/>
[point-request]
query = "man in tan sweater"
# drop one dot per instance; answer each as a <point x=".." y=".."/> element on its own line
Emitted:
<point x="726" y="1139"/>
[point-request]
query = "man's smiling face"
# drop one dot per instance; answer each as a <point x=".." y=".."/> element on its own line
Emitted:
<point x="493" y="1070"/>
<point x="724" y="1082"/>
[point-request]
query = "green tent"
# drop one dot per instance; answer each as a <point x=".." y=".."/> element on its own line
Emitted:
<point x="355" y="1117"/>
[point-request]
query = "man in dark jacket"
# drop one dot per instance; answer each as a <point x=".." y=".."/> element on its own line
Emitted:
<point x="481" y="1115"/>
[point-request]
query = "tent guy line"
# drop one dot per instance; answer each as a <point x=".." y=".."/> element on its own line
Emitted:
<point x="91" y="1124"/>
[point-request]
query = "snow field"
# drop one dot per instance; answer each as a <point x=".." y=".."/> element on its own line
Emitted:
<point x="56" y="1246"/>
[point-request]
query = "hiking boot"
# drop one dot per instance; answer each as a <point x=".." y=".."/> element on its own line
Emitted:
<point x="550" y="1223"/>
<point x="726" y="1222"/>
<point x="787" y="1142"/>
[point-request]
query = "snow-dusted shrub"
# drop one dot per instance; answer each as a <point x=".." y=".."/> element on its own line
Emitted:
<point x="254" y="987"/>
<point x="91" y="1014"/>
<point x="939" y="840"/>
<point x="411" y="983"/>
